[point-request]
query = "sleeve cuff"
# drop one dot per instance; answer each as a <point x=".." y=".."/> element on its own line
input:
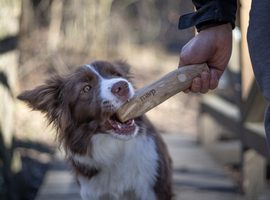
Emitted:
<point x="208" y="15"/>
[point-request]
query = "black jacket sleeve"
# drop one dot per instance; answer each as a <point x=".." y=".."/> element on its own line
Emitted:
<point x="209" y="12"/>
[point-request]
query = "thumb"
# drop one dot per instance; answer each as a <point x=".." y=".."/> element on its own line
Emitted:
<point x="197" y="50"/>
<point x="186" y="57"/>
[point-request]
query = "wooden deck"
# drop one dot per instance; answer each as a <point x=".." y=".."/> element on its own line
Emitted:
<point x="196" y="175"/>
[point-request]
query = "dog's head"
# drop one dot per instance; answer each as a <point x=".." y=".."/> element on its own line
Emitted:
<point x="84" y="102"/>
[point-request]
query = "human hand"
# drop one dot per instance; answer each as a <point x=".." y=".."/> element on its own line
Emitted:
<point x="212" y="46"/>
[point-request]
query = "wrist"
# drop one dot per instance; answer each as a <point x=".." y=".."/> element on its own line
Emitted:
<point x="208" y="25"/>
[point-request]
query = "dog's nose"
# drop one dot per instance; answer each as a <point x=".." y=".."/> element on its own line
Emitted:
<point x="120" y="89"/>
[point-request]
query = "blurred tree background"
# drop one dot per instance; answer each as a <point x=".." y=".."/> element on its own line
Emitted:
<point x="61" y="34"/>
<point x="42" y="37"/>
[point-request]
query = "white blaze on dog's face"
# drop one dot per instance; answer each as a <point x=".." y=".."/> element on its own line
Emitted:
<point x="115" y="90"/>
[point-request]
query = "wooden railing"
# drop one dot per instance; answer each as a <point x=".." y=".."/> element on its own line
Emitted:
<point x="9" y="30"/>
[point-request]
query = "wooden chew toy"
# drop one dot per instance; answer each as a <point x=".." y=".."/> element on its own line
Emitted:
<point x="154" y="94"/>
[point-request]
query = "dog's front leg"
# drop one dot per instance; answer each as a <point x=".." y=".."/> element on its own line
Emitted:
<point x="88" y="194"/>
<point x="146" y="194"/>
<point x="88" y="190"/>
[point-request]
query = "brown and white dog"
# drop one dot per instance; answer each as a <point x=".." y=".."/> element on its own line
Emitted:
<point x="112" y="160"/>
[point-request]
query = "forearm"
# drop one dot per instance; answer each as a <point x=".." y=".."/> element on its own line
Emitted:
<point x="210" y="13"/>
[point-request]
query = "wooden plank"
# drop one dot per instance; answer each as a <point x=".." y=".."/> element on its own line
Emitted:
<point x="10" y="162"/>
<point x="224" y="112"/>
<point x="254" y="106"/>
<point x="222" y="106"/>
<point x="254" y="174"/>
<point x="254" y="138"/>
<point x="195" y="175"/>
<point x="256" y="127"/>
<point x="228" y="115"/>
<point x="247" y="73"/>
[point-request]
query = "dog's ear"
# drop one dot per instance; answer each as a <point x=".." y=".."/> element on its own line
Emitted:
<point x="45" y="98"/>
<point x="123" y="66"/>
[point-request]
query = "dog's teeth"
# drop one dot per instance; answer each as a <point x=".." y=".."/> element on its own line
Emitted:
<point x="118" y="126"/>
<point x="133" y="122"/>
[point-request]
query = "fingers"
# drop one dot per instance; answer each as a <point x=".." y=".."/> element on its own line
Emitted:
<point x="207" y="81"/>
<point x="196" y="85"/>
<point x="213" y="80"/>
<point x="201" y="84"/>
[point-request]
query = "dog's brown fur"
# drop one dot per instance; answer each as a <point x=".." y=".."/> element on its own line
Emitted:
<point x="67" y="107"/>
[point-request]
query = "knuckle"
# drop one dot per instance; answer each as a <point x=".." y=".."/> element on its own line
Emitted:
<point x="183" y="58"/>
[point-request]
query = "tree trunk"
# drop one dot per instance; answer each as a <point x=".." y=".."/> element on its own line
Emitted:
<point x="55" y="25"/>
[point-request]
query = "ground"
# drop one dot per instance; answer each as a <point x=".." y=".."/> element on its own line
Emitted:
<point x="195" y="175"/>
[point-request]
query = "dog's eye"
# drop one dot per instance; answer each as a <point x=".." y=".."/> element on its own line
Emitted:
<point x="115" y="73"/>
<point x="86" y="89"/>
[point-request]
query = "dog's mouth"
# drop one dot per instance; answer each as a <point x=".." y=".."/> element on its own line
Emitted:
<point x="126" y="128"/>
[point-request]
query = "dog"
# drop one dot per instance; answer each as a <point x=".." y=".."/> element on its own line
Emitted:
<point x="111" y="160"/>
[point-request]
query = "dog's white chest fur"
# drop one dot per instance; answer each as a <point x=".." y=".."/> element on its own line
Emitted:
<point x="125" y="167"/>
